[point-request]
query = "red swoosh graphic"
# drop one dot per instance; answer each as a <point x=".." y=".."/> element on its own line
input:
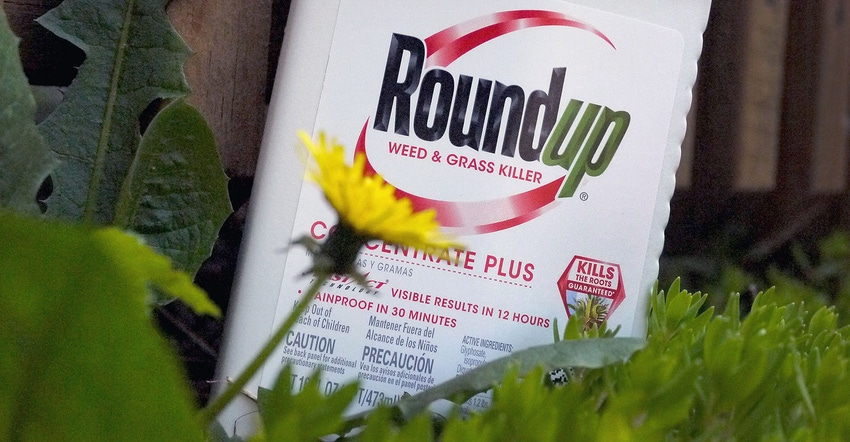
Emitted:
<point x="448" y="45"/>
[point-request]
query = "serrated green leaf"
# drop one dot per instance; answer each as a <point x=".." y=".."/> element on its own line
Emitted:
<point x="677" y="307"/>
<point x="745" y="376"/>
<point x="176" y="192"/>
<point x="701" y="322"/>
<point x="81" y="358"/>
<point x="733" y="308"/>
<point x="24" y="159"/>
<point x="658" y="299"/>
<point x="658" y="295"/>
<point x="824" y="320"/>
<point x="573" y="329"/>
<point x="587" y="353"/>
<point x="675" y="311"/>
<point x="133" y="56"/>
<point x="800" y="379"/>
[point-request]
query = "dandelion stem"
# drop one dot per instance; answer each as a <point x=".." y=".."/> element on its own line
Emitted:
<point x="208" y="414"/>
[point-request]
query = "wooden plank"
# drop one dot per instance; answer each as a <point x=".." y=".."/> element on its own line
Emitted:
<point x="227" y="74"/>
<point x="832" y="109"/>
<point x="797" y="130"/>
<point x="793" y="200"/>
<point x="761" y="95"/>
<point x="715" y="133"/>
<point x="718" y="104"/>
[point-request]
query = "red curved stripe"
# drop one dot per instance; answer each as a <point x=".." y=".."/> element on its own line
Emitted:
<point x="448" y="45"/>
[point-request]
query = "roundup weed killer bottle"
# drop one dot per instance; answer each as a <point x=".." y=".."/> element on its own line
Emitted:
<point x="546" y="135"/>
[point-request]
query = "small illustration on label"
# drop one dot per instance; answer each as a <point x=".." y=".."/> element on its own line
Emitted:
<point x="591" y="289"/>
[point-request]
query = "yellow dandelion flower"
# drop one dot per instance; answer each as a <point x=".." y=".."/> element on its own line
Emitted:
<point x="367" y="207"/>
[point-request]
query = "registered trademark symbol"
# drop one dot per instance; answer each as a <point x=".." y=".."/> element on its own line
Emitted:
<point x="584" y="196"/>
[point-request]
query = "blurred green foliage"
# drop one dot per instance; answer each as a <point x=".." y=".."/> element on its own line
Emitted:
<point x="778" y="372"/>
<point x="817" y="273"/>
<point x="80" y="357"/>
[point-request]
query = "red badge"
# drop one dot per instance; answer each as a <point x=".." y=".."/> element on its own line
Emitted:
<point x="591" y="288"/>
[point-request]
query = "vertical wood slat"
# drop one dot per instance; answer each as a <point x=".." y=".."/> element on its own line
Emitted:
<point x="227" y="74"/>
<point x="717" y="107"/>
<point x="761" y="95"/>
<point x="798" y="109"/>
<point x="829" y="161"/>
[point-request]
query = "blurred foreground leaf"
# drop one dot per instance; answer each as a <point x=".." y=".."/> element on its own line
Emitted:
<point x="81" y="359"/>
